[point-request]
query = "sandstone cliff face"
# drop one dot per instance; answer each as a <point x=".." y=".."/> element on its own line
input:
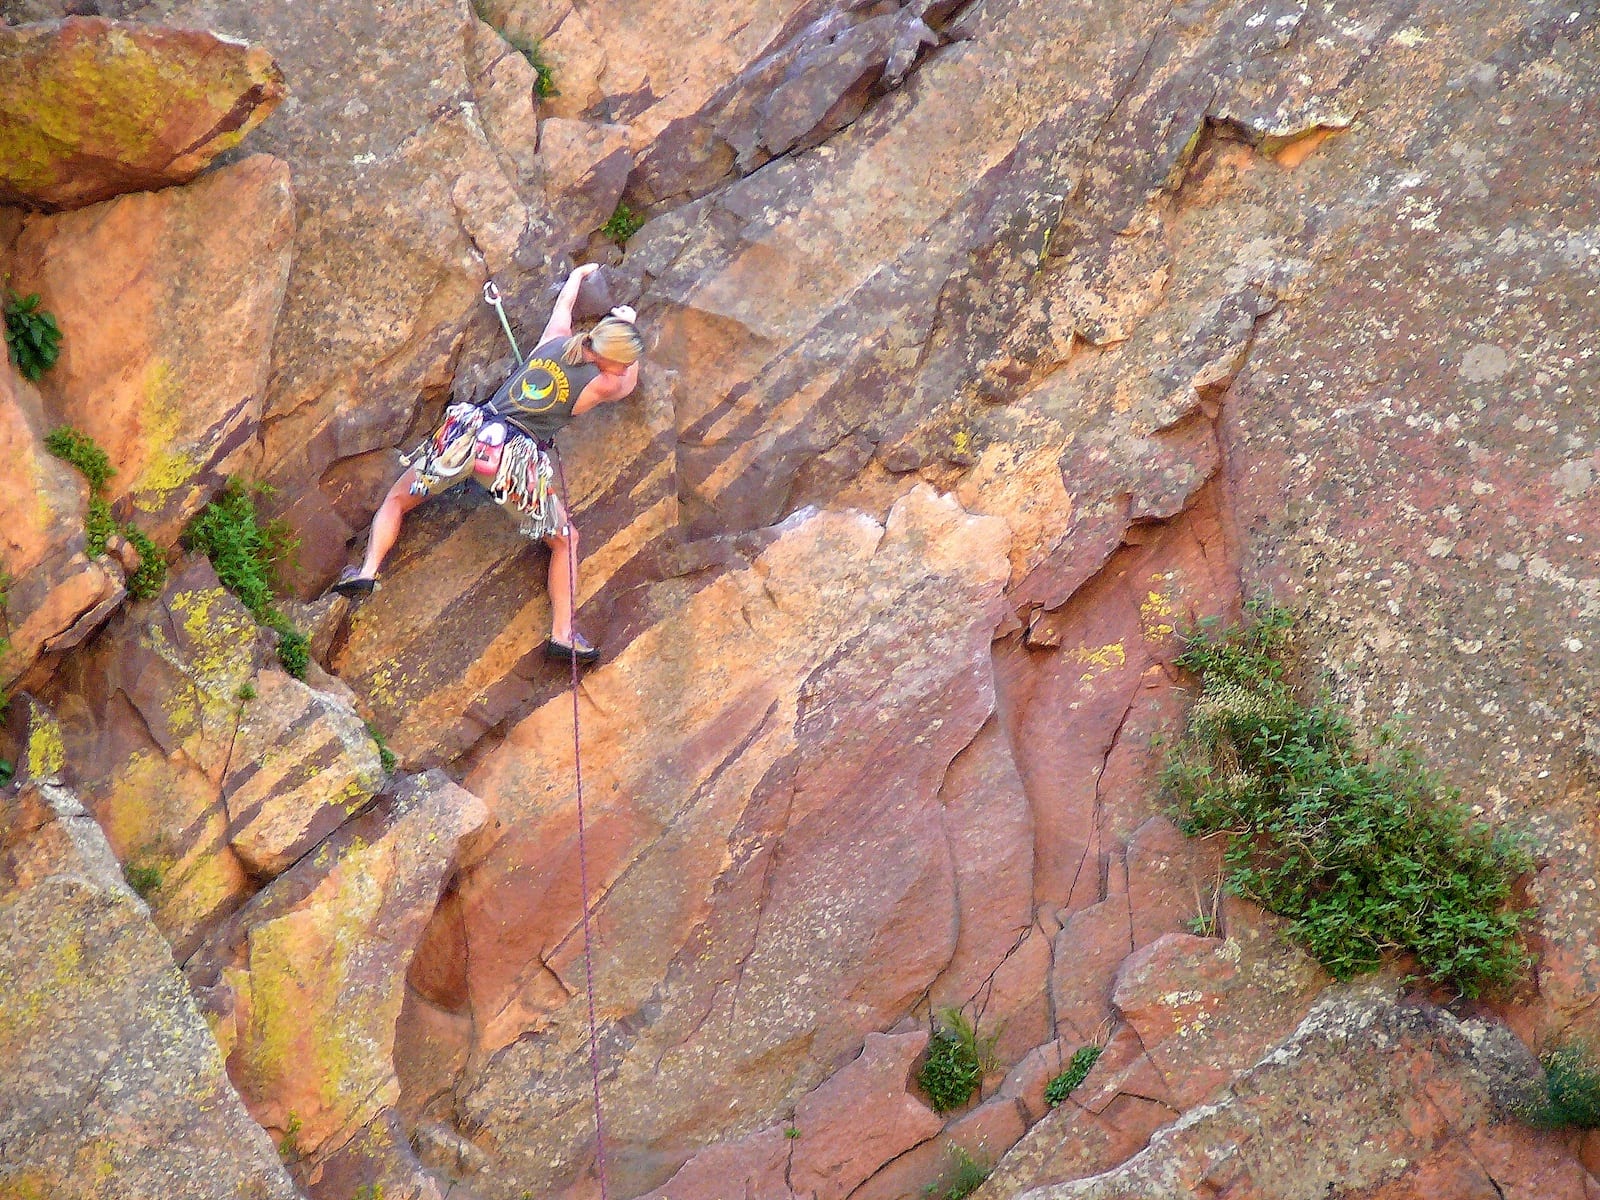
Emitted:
<point x="992" y="344"/>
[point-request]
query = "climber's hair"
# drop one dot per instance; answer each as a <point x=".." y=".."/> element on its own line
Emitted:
<point x="615" y="339"/>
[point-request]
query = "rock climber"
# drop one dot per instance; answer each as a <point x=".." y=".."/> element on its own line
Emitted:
<point x="505" y="445"/>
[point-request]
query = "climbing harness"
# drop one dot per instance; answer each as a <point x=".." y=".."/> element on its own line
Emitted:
<point x="491" y="295"/>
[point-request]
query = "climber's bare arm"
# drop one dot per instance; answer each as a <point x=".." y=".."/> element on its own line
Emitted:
<point x="560" y="323"/>
<point x="605" y="388"/>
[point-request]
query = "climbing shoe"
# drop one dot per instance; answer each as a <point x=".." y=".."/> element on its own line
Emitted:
<point x="562" y="653"/>
<point x="353" y="584"/>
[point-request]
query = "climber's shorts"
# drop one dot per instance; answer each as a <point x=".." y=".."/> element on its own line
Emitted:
<point x="524" y="477"/>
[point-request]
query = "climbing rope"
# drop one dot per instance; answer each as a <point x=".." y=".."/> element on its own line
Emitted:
<point x="491" y="295"/>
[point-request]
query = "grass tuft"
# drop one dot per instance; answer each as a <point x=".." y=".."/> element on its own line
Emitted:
<point x="1571" y="1091"/>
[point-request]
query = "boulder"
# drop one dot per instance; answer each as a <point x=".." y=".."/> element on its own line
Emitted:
<point x="93" y="108"/>
<point x="114" y="1086"/>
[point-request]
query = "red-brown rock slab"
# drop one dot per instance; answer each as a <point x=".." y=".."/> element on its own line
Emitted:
<point x="91" y="108"/>
<point x="1088" y="950"/>
<point x="1205" y="1009"/>
<point x="786" y="758"/>
<point x="755" y="1166"/>
<point x="860" y="1119"/>
<point x="167" y="303"/>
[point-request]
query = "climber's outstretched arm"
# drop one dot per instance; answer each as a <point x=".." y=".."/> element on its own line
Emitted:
<point x="560" y="323"/>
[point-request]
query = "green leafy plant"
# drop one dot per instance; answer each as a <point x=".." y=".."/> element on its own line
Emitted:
<point x="386" y="756"/>
<point x="1360" y="846"/>
<point x="249" y="556"/>
<point x="1571" y="1097"/>
<point x="622" y="224"/>
<point x="246" y="692"/>
<point x="81" y="451"/>
<point x="8" y="769"/>
<point x="99" y="524"/>
<point x="968" y="1175"/>
<point x="33" y="339"/>
<point x="1078" y="1067"/>
<point x="151" y="575"/>
<point x="289" y="1143"/>
<point x="145" y="881"/>
<point x="958" y="1058"/>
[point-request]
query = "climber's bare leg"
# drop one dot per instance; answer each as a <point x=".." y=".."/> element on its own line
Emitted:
<point x="563" y="570"/>
<point x="386" y="522"/>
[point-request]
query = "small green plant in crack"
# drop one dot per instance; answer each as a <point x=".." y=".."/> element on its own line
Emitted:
<point x="144" y="880"/>
<point x="386" y="756"/>
<point x="544" y="74"/>
<point x="246" y="692"/>
<point x="1078" y="1067"/>
<point x="958" y="1058"/>
<point x="967" y="1177"/>
<point x="289" y="1143"/>
<point x="1571" y="1098"/>
<point x="1358" y="844"/>
<point x="622" y="224"/>
<point x="8" y="769"/>
<point x="368" y="1191"/>
<point x="791" y="1132"/>
<point x="33" y="339"/>
<point x="249" y="556"/>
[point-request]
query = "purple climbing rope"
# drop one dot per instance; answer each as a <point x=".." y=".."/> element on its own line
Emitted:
<point x="583" y="854"/>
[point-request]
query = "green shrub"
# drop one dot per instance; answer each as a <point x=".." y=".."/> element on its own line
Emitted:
<point x="151" y="575"/>
<point x="33" y="339"/>
<point x="8" y="769"/>
<point x="967" y="1177"/>
<point x="1363" y="849"/>
<point x="957" y="1061"/>
<point x="79" y="449"/>
<point x="249" y="556"/>
<point x="145" y="881"/>
<point x="622" y="224"/>
<point x="98" y="526"/>
<point x="1078" y="1067"/>
<point x="1572" y="1091"/>
<point x="246" y="692"/>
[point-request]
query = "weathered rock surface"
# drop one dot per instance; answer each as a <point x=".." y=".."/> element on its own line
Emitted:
<point x="52" y="590"/>
<point x="113" y="1085"/>
<point x="313" y="969"/>
<point x="200" y="757"/>
<point x="91" y="108"/>
<point x="1059" y="336"/>
<point x="167" y="303"/>
<point x="1367" y="1093"/>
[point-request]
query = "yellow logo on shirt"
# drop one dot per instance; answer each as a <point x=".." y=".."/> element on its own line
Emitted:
<point x="543" y="386"/>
